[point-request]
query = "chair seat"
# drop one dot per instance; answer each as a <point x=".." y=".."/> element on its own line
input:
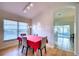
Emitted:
<point x="43" y="45"/>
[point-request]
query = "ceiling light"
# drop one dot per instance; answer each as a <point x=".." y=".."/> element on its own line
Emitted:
<point x="25" y="11"/>
<point x="28" y="7"/>
<point x="31" y="4"/>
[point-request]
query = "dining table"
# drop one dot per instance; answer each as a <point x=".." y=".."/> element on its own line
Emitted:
<point x="34" y="42"/>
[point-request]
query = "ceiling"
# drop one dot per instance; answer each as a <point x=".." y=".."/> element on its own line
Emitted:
<point x="65" y="16"/>
<point x="65" y="12"/>
<point x="17" y="8"/>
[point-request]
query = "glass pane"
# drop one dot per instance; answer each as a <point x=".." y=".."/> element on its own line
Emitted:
<point x="23" y="28"/>
<point x="67" y="30"/>
<point x="10" y="29"/>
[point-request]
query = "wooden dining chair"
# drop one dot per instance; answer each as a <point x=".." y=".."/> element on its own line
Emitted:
<point x="25" y="45"/>
<point x="19" y="41"/>
<point x="43" y="44"/>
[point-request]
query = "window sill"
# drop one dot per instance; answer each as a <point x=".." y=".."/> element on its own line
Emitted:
<point x="9" y="40"/>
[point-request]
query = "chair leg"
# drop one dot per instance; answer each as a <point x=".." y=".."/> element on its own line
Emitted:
<point x="33" y="51"/>
<point x="19" y="44"/>
<point x="41" y="51"/>
<point x="45" y="49"/>
<point x="26" y="51"/>
<point x="22" y="49"/>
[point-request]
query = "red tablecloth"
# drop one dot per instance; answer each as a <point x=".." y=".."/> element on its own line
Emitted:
<point x="34" y="41"/>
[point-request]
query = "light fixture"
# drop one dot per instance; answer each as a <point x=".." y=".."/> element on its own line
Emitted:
<point x="31" y="4"/>
<point x="28" y="6"/>
<point x="25" y="11"/>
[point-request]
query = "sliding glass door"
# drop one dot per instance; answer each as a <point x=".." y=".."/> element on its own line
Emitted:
<point x="63" y="36"/>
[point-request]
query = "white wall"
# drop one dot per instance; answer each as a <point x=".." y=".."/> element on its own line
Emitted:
<point x="77" y="31"/>
<point x="42" y="25"/>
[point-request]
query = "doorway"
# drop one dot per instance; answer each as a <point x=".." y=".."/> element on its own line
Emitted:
<point x="64" y="29"/>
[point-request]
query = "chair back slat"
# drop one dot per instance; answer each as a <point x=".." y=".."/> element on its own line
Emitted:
<point x="24" y="41"/>
<point x="43" y="41"/>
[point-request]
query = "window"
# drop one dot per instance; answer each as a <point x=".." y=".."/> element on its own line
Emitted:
<point x="12" y="29"/>
<point x="23" y="28"/>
